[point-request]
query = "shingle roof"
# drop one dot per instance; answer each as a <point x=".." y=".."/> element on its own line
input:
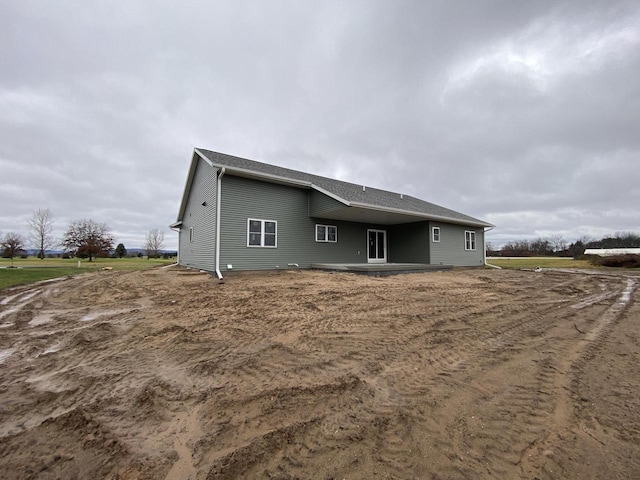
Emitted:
<point x="350" y="193"/>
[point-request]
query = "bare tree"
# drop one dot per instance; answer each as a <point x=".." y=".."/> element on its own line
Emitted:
<point x="41" y="228"/>
<point x="12" y="246"/>
<point x="557" y="242"/>
<point x="155" y="243"/>
<point x="86" y="238"/>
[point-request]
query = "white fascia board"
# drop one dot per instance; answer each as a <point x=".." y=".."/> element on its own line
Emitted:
<point x="426" y="216"/>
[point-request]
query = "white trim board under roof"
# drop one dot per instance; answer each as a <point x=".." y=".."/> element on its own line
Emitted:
<point x="362" y="204"/>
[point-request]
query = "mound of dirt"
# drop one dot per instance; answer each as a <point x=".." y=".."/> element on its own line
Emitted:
<point x="71" y="445"/>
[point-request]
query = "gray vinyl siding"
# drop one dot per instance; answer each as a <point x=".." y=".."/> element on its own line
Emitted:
<point x="450" y="250"/>
<point x="320" y="204"/>
<point x="243" y="198"/>
<point x="350" y="248"/>
<point x="409" y="243"/>
<point x="201" y="252"/>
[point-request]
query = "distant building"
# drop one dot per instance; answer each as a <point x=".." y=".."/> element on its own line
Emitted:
<point x="608" y="252"/>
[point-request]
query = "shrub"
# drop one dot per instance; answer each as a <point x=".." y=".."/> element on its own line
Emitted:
<point x="620" y="261"/>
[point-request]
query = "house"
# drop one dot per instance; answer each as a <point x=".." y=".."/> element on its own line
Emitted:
<point x="238" y="214"/>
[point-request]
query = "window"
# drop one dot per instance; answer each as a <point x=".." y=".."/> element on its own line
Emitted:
<point x="436" y="234"/>
<point x="191" y="234"/>
<point x="469" y="240"/>
<point x="261" y="233"/>
<point x="326" y="233"/>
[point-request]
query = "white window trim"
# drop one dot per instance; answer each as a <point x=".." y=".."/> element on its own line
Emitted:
<point x="326" y="233"/>
<point x="262" y="233"/>
<point x="190" y="234"/>
<point x="433" y="234"/>
<point x="469" y="240"/>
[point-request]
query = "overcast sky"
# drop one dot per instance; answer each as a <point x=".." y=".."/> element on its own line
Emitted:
<point x="525" y="114"/>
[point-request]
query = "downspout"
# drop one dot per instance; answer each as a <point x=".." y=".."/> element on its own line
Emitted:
<point x="218" y="224"/>
<point x="484" y="241"/>
<point x="178" y="255"/>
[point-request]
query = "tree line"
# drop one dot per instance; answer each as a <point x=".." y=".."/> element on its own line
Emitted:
<point x="555" y="245"/>
<point x="83" y="239"/>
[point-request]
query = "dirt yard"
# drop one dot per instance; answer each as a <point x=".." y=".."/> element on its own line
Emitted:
<point x="466" y="374"/>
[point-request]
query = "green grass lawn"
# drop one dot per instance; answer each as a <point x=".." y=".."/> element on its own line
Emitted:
<point x="33" y="269"/>
<point x="543" y="262"/>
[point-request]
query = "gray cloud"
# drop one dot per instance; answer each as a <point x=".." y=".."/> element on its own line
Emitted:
<point x="520" y="113"/>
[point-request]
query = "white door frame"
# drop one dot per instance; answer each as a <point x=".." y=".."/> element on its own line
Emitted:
<point x="376" y="239"/>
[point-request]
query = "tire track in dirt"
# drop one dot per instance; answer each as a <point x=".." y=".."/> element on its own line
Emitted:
<point x="469" y="350"/>
<point x="298" y="417"/>
<point x="529" y="402"/>
<point x="540" y="456"/>
<point x="604" y="392"/>
<point x="443" y="357"/>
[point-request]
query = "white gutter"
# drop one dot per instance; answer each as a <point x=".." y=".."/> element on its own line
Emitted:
<point x="484" y="241"/>
<point x="218" y="223"/>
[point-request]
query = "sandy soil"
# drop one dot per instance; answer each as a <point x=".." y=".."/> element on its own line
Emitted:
<point x="465" y="374"/>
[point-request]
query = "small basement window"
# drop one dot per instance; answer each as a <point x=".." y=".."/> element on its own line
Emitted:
<point x="469" y="240"/>
<point x="262" y="233"/>
<point x="436" y="234"/>
<point x="326" y="233"/>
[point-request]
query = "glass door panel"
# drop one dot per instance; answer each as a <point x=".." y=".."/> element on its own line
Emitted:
<point x="377" y="246"/>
